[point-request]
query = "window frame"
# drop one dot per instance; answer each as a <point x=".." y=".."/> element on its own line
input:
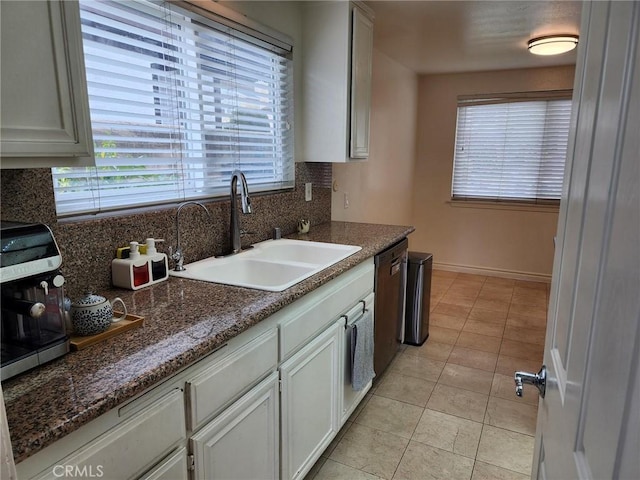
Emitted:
<point x="512" y="203"/>
<point x="218" y="18"/>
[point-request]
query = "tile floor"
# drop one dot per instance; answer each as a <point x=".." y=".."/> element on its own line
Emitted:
<point x="447" y="409"/>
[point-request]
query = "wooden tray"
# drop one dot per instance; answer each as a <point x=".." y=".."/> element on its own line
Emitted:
<point x="127" y="323"/>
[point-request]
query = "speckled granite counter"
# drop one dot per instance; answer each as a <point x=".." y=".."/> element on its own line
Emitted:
<point x="184" y="321"/>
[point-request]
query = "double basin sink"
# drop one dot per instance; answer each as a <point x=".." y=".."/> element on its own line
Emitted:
<point x="273" y="265"/>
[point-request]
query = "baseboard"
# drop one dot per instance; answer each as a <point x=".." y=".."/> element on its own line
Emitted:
<point x="493" y="272"/>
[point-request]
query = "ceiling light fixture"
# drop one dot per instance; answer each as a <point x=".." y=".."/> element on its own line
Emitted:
<point x="553" y="44"/>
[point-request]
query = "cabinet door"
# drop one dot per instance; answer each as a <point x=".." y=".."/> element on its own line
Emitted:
<point x="242" y="442"/>
<point x="45" y="109"/>
<point x="361" y="59"/>
<point x="174" y="467"/>
<point x="310" y="402"/>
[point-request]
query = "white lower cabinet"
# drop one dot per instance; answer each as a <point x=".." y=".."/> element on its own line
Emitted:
<point x="174" y="467"/>
<point x="310" y="401"/>
<point x="242" y="442"/>
<point x="131" y="448"/>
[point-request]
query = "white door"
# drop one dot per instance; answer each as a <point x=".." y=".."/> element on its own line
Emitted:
<point x="310" y="382"/>
<point x="242" y="442"/>
<point x="589" y="420"/>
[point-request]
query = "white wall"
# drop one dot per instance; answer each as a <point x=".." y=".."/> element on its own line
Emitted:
<point x="380" y="189"/>
<point x="507" y="241"/>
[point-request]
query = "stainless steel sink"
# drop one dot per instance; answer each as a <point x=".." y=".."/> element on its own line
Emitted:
<point x="273" y="265"/>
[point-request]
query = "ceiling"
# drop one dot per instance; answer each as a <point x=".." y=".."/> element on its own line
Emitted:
<point x="429" y="36"/>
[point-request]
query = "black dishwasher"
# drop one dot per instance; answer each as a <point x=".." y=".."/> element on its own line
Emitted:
<point x="391" y="275"/>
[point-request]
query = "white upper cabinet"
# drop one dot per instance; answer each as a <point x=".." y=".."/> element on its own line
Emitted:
<point x="336" y="90"/>
<point x="45" y="111"/>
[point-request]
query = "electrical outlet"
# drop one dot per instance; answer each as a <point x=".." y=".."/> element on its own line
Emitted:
<point x="307" y="192"/>
<point x="346" y="199"/>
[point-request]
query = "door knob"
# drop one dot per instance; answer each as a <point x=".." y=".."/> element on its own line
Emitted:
<point x="537" y="379"/>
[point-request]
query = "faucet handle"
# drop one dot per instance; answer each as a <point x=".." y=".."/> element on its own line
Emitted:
<point x="177" y="257"/>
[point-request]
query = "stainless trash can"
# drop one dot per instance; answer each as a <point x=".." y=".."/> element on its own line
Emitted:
<point x="416" y="329"/>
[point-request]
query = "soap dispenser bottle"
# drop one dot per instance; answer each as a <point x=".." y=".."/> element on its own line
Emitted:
<point x="132" y="272"/>
<point x="158" y="262"/>
<point x="139" y="265"/>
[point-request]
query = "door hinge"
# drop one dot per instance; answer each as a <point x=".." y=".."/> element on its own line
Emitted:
<point x="191" y="462"/>
<point x="280" y="386"/>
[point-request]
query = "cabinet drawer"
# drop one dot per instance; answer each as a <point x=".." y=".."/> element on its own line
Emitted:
<point x="129" y="449"/>
<point x="325" y="307"/>
<point x="229" y="377"/>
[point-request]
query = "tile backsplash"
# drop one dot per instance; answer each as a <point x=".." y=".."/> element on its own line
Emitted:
<point x="89" y="245"/>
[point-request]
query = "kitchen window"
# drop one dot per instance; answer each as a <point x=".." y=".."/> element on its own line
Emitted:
<point x="179" y="97"/>
<point x="511" y="147"/>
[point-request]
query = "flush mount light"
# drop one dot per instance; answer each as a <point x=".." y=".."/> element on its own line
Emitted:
<point x="553" y="44"/>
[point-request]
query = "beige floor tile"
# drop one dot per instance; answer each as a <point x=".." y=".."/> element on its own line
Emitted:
<point x="415" y="391"/>
<point x="487" y="316"/>
<point x="509" y="365"/>
<point x="465" y="289"/>
<point x="473" y="358"/>
<point x="528" y="311"/>
<point x="439" y="289"/>
<point x="521" y="321"/>
<point x="440" y="284"/>
<point x="337" y="438"/>
<point x="467" y="378"/>
<point x="459" y="311"/>
<point x="500" y="281"/>
<point x="528" y="351"/>
<point x="506" y="449"/>
<point x="416" y="366"/>
<point x="496" y="292"/>
<point x="444" y="274"/>
<point x="529" y="292"/>
<point x="422" y="462"/>
<point x="390" y="416"/>
<point x="337" y="471"/>
<point x="478" y="342"/>
<point x="315" y="469"/>
<point x="446" y="321"/>
<point x="484" y="471"/>
<point x="492" y="305"/>
<point x="482" y="328"/>
<point x="528" y="335"/>
<point x="370" y="450"/>
<point x="459" y="402"/>
<point x="535" y="299"/>
<point x="511" y="415"/>
<point x="471" y="278"/>
<point x="503" y="386"/>
<point x="455" y="299"/>
<point x="431" y="349"/>
<point x="442" y="335"/>
<point x="532" y="285"/>
<point x="447" y="432"/>
<point x="360" y="406"/>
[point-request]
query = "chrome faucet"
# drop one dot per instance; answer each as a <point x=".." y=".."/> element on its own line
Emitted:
<point x="246" y="208"/>
<point x="177" y="255"/>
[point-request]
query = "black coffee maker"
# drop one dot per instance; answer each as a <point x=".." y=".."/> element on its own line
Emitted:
<point x="32" y="303"/>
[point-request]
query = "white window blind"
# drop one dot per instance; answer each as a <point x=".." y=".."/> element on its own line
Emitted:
<point x="511" y="148"/>
<point x="177" y="101"/>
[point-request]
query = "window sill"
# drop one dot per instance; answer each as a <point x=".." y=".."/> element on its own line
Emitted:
<point x="524" y="207"/>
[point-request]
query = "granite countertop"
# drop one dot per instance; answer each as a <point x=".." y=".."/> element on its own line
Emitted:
<point x="184" y="321"/>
